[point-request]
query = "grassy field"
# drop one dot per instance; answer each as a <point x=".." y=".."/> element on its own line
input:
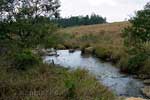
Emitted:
<point x="106" y="39"/>
<point x="96" y="34"/>
<point x="98" y="28"/>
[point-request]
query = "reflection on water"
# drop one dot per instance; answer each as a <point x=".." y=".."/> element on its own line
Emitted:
<point x="122" y="85"/>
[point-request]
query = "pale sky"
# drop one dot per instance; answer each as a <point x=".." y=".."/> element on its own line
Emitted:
<point x="113" y="10"/>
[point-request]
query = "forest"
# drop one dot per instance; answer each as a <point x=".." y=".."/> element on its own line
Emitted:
<point x="79" y="20"/>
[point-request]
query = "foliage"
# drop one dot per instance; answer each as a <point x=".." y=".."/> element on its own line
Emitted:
<point x="135" y="62"/>
<point x="138" y="33"/>
<point x="80" y="20"/>
<point x="146" y="67"/>
<point x="102" y="52"/>
<point x="53" y="40"/>
<point x="136" y="37"/>
<point x="25" y="34"/>
<point x="70" y="85"/>
<point x="25" y="59"/>
<point x="27" y="23"/>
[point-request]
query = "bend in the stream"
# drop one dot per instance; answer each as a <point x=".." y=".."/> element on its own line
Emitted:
<point x="110" y="76"/>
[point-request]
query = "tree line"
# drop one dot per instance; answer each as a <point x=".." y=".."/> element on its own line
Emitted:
<point x="80" y="20"/>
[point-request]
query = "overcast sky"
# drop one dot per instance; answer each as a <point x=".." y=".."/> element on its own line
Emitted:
<point x="113" y="10"/>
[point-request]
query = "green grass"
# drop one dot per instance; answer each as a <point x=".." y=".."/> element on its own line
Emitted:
<point x="48" y="82"/>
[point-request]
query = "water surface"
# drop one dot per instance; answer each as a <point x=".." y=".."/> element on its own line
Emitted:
<point x="107" y="74"/>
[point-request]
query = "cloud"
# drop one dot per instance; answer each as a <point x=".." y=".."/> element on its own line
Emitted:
<point x="113" y="10"/>
<point x="101" y="2"/>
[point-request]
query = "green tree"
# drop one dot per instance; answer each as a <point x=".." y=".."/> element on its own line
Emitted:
<point x="26" y="23"/>
<point x="79" y="20"/>
<point x="137" y="38"/>
<point x="139" y="32"/>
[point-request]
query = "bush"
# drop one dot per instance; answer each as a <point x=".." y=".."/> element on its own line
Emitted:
<point x="123" y="63"/>
<point x="24" y="59"/>
<point x="70" y="85"/>
<point x="84" y="46"/>
<point x="52" y="41"/>
<point x="135" y="62"/>
<point x="136" y="39"/>
<point x="102" y="52"/>
<point x="146" y="68"/>
<point x="60" y="46"/>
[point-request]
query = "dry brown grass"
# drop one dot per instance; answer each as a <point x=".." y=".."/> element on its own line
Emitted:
<point x="99" y="28"/>
<point x="47" y="82"/>
<point x="108" y="31"/>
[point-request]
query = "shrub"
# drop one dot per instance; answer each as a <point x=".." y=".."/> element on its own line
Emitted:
<point x="135" y="62"/>
<point x="53" y="40"/>
<point x="137" y="38"/>
<point x="84" y="46"/>
<point x="146" y="68"/>
<point x="71" y="45"/>
<point x="123" y="63"/>
<point x="60" y="46"/>
<point x="70" y="85"/>
<point x="102" y="52"/>
<point x="24" y="59"/>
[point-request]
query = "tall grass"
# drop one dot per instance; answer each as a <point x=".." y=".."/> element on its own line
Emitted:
<point x="48" y="82"/>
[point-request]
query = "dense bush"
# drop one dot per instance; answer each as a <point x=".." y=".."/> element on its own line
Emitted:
<point x="136" y="62"/>
<point x="146" y="68"/>
<point x="52" y="41"/>
<point x="25" y="59"/>
<point x="137" y="38"/>
<point x="102" y="52"/>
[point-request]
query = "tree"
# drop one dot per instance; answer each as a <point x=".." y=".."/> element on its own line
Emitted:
<point x="26" y="23"/>
<point x="137" y="38"/>
<point x="79" y="20"/>
<point x="139" y="32"/>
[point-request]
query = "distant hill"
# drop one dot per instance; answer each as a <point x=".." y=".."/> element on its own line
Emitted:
<point x="115" y="27"/>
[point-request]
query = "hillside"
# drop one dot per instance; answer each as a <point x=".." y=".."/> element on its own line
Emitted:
<point x="98" y="28"/>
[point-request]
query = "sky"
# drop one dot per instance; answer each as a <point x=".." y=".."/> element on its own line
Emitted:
<point x="113" y="10"/>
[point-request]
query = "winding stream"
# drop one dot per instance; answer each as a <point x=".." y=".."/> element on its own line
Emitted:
<point x="107" y="74"/>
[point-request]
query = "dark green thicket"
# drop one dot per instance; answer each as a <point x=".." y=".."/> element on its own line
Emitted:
<point x="26" y="26"/>
<point x="135" y="62"/>
<point x="137" y="39"/>
<point x="79" y="20"/>
<point x="25" y="59"/>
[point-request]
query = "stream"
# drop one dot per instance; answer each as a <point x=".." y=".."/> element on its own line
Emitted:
<point x="110" y="76"/>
